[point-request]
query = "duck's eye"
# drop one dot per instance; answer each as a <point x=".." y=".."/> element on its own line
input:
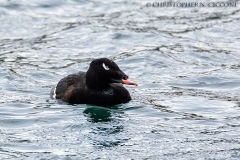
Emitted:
<point x="105" y="67"/>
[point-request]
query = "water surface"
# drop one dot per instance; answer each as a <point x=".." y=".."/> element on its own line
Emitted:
<point x="186" y="61"/>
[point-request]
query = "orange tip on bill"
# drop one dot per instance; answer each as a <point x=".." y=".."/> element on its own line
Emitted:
<point x="125" y="81"/>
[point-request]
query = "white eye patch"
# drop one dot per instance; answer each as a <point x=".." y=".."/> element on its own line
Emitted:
<point x="105" y="67"/>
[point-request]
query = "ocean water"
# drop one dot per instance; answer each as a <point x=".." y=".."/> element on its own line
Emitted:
<point x="185" y="60"/>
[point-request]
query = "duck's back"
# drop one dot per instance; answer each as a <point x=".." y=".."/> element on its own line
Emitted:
<point x="68" y="84"/>
<point x="73" y="89"/>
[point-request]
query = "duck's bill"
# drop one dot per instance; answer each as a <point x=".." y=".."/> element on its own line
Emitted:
<point x="125" y="81"/>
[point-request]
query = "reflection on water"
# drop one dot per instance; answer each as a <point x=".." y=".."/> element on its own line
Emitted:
<point x="186" y="61"/>
<point x="97" y="114"/>
<point x="107" y="128"/>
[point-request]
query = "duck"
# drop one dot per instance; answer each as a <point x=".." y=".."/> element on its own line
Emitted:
<point x="101" y="85"/>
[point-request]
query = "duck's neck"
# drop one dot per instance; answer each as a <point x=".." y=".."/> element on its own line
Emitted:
<point x="94" y="81"/>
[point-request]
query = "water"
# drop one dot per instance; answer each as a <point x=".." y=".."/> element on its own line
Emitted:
<point x="186" y="61"/>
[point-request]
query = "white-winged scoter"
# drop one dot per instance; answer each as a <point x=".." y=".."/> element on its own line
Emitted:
<point x="100" y="85"/>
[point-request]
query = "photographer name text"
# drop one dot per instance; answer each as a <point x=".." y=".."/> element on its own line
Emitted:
<point x="192" y="4"/>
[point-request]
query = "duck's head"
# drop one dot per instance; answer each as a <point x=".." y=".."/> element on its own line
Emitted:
<point x="103" y="71"/>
